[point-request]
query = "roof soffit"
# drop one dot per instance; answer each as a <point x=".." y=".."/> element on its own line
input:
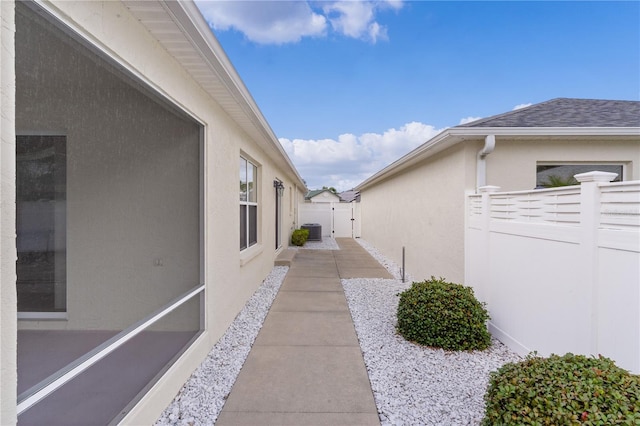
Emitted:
<point x="181" y="30"/>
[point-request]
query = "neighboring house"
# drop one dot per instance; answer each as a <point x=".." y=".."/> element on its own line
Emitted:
<point x="418" y="202"/>
<point x="140" y="178"/>
<point x="322" y="196"/>
<point x="350" y="196"/>
<point x="338" y="217"/>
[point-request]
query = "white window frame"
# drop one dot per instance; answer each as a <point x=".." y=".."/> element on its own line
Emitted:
<point x="594" y="164"/>
<point x="248" y="203"/>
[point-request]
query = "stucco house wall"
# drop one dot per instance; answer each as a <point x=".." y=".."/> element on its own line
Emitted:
<point x="231" y="276"/>
<point x="422" y="209"/>
<point x="512" y="165"/>
<point x="418" y="201"/>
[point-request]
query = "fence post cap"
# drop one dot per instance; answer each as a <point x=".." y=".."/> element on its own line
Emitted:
<point x="595" y="176"/>
<point x="488" y="188"/>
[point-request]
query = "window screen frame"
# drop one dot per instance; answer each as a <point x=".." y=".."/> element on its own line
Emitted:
<point x="249" y="206"/>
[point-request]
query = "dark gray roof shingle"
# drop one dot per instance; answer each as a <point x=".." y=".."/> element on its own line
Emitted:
<point x="350" y="196"/>
<point x="567" y="112"/>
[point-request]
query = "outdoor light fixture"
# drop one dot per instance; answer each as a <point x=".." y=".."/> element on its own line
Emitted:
<point x="279" y="186"/>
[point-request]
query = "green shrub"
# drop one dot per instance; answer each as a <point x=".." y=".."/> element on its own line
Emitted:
<point x="562" y="390"/>
<point x="445" y="315"/>
<point x="299" y="237"/>
<point x="557" y="181"/>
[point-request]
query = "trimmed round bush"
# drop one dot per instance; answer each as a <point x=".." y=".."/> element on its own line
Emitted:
<point x="444" y="315"/>
<point x="299" y="237"/>
<point x="562" y="390"/>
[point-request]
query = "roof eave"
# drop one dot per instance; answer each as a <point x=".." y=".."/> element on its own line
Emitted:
<point x="549" y="131"/>
<point x="187" y="16"/>
<point x="454" y="135"/>
<point x="436" y="144"/>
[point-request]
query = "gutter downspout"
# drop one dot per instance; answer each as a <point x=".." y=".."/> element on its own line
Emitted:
<point x="481" y="166"/>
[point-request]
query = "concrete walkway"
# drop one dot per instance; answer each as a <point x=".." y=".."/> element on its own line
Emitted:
<point x="306" y="367"/>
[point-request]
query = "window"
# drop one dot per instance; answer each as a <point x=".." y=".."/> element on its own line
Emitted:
<point x="41" y="192"/>
<point x="248" y="203"/>
<point x="554" y="175"/>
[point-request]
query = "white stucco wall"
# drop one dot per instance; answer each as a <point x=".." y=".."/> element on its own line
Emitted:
<point x="512" y="165"/>
<point x="422" y="209"/>
<point x="8" y="302"/>
<point x="230" y="276"/>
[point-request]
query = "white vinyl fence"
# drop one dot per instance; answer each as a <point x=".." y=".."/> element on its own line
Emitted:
<point x="337" y="219"/>
<point x="560" y="268"/>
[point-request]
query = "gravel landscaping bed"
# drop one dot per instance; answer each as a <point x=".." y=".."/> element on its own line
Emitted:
<point x="200" y="400"/>
<point x="412" y="384"/>
<point x="325" y="244"/>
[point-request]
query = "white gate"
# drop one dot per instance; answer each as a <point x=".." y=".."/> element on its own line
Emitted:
<point x="343" y="220"/>
<point x="338" y="220"/>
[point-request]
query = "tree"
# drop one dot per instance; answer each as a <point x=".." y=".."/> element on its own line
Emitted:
<point x="554" y="181"/>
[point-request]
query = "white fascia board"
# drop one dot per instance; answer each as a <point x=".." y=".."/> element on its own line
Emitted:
<point x="454" y="135"/>
<point x="193" y="25"/>
<point x="549" y="131"/>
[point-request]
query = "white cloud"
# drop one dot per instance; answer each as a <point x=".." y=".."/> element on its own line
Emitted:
<point x="277" y="22"/>
<point x="468" y="120"/>
<point x="348" y="160"/>
<point x="376" y="31"/>
<point x="267" y="22"/>
<point x="520" y="106"/>
<point x="393" y="4"/>
<point x="355" y="19"/>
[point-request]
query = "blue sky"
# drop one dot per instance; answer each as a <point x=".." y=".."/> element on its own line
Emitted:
<point x="349" y="87"/>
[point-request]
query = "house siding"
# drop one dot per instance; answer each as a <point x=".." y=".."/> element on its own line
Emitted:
<point x="512" y="165"/>
<point x="422" y="209"/>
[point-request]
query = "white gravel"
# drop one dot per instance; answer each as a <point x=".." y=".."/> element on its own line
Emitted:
<point x="200" y="400"/>
<point x="412" y="385"/>
<point x="325" y="244"/>
<point x="390" y="265"/>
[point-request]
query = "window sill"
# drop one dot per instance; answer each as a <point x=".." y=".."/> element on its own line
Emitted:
<point x="43" y="316"/>
<point x="249" y="254"/>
